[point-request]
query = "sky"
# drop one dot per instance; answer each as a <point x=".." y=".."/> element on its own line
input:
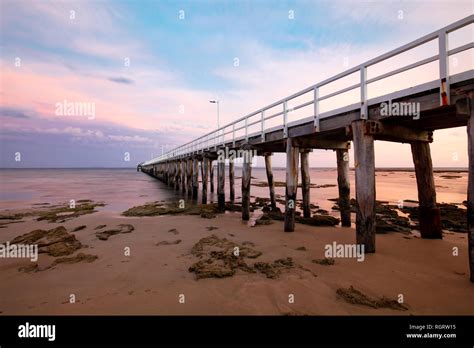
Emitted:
<point x="139" y="75"/>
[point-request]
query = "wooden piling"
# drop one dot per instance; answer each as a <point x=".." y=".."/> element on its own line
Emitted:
<point x="204" y="176"/>
<point x="221" y="185"/>
<point x="231" y="180"/>
<point x="364" y="162"/>
<point x="195" y="178"/>
<point x="343" y="183"/>
<point x="178" y="175"/>
<point x="174" y="169"/>
<point x="183" y="176"/>
<point x="470" y="190"/>
<point x="271" y="183"/>
<point x="292" y="159"/>
<point x="171" y="173"/>
<point x="189" y="176"/>
<point x="305" y="182"/>
<point x="429" y="214"/>
<point x="211" y="174"/>
<point x="246" y="177"/>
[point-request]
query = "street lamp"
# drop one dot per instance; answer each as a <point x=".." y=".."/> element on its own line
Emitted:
<point x="216" y="102"/>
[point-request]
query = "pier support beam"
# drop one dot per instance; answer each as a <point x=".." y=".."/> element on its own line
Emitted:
<point x="292" y="159"/>
<point x="189" y="176"/>
<point x="430" y="219"/>
<point x="271" y="183"/>
<point x="231" y="180"/>
<point x="178" y="175"/>
<point x="183" y="176"/>
<point x="343" y="184"/>
<point x="364" y="163"/>
<point x="205" y="171"/>
<point x="221" y="185"/>
<point x="174" y="169"/>
<point x="246" y="177"/>
<point x="211" y="174"/>
<point x="171" y="173"/>
<point x="470" y="190"/>
<point x="305" y="182"/>
<point x="195" y="178"/>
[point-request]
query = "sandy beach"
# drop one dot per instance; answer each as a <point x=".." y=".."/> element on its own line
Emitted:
<point x="147" y="270"/>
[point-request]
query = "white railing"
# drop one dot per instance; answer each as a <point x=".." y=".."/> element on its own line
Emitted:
<point x="217" y="137"/>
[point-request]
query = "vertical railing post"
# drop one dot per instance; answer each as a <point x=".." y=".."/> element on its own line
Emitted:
<point x="363" y="93"/>
<point x="263" y="125"/>
<point x="233" y="134"/>
<point x="285" y="120"/>
<point x="443" y="69"/>
<point x="316" y="108"/>
<point x="246" y="131"/>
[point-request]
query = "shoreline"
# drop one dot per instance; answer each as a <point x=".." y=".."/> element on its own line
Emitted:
<point x="377" y="169"/>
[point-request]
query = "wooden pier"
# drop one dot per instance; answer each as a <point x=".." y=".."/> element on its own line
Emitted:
<point x="446" y="102"/>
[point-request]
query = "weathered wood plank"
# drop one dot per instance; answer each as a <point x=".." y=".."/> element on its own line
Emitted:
<point x="195" y="178"/>
<point x="271" y="183"/>
<point x="221" y="185"/>
<point x="231" y="180"/>
<point x="211" y="174"/>
<point x="246" y="178"/>
<point x="430" y="219"/>
<point x="344" y="186"/>
<point x="364" y="162"/>
<point x="189" y="176"/>
<point x="183" y="176"/>
<point x="170" y="174"/>
<point x="292" y="159"/>
<point x="178" y="176"/>
<point x="305" y="183"/>
<point x="402" y="134"/>
<point x="204" y="177"/>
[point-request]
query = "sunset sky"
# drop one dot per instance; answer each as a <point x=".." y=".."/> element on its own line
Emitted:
<point x="151" y="67"/>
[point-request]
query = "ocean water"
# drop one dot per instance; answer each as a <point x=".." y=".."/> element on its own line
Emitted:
<point x="121" y="189"/>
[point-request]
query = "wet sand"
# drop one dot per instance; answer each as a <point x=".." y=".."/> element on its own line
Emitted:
<point x="152" y="278"/>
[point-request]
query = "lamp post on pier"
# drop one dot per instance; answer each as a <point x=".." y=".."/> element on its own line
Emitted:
<point x="217" y="103"/>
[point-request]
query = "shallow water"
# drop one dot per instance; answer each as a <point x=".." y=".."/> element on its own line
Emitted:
<point x="121" y="189"/>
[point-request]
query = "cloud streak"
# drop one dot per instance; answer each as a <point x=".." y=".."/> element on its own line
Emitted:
<point x="122" y="80"/>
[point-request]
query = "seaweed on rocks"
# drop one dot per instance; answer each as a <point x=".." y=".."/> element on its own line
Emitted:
<point x="54" y="242"/>
<point x="354" y="296"/>
<point x="122" y="228"/>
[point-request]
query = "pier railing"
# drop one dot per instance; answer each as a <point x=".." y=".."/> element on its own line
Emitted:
<point x="227" y="134"/>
